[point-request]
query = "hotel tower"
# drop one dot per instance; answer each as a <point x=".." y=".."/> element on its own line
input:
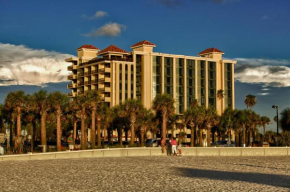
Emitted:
<point x="119" y="75"/>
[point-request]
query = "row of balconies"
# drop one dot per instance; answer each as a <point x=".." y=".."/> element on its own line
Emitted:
<point x="72" y="67"/>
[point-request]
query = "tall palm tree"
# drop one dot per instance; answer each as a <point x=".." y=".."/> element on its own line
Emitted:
<point x="164" y="104"/>
<point x="264" y="121"/>
<point x="144" y="121"/>
<point x="41" y="105"/>
<point x="254" y="120"/>
<point x="17" y="101"/>
<point x="59" y="103"/>
<point x="94" y="100"/>
<point x="228" y="119"/>
<point x="250" y="101"/>
<point x="285" y="119"/>
<point x="192" y="117"/>
<point x="243" y="120"/>
<point x="210" y="119"/>
<point x="131" y="108"/>
<point x="82" y="103"/>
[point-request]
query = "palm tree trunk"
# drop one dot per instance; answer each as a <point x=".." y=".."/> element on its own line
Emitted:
<point x="142" y="139"/>
<point x="132" y="124"/>
<point x="18" y="121"/>
<point x="75" y="130"/>
<point x="164" y="120"/>
<point x="251" y="138"/>
<point x="93" y="133"/>
<point x="99" y="132"/>
<point x="192" y="136"/>
<point x="120" y="136"/>
<point x="83" y="146"/>
<point x="244" y="135"/>
<point x="58" y="131"/>
<point x="33" y="136"/>
<point x="208" y="137"/>
<point x="264" y="127"/>
<point x="43" y="128"/>
<point x="200" y="137"/>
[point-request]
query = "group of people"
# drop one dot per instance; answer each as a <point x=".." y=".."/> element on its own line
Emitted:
<point x="74" y="145"/>
<point x="172" y="146"/>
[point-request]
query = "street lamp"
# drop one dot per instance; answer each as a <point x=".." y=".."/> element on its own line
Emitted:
<point x="276" y="107"/>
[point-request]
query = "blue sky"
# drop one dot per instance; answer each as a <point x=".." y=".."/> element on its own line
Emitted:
<point x="35" y="37"/>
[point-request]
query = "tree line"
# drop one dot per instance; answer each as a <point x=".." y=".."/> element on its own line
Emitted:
<point x="51" y="115"/>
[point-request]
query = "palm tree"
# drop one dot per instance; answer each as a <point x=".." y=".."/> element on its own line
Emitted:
<point x="228" y="119"/>
<point x="243" y="120"/>
<point x="82" y="104"/>
<point x="264" y="121"/>
<point x="250" y="101"/>
<point x="94" y="99"/>
<point x="41" y="104"/>
<point x="59" y="102"/>
<point x="220" y="95"/>
<point x="144" y="121"/>
<point x="17" y="101"/>
<point x="285" y="119"/>
<point x="192" y="118"/>
<point x="131" y="108"/>
<point x="254" y="120"/>
<point x="210" y="119"/>
<point x="164" y="104"/>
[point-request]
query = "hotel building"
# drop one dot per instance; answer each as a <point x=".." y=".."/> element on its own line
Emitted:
<point x="119" y="75"/>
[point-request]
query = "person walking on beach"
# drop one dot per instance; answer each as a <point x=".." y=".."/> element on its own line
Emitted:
<point x="77" y="143"/>
<point x="163" y="144"/>
<point x="70" y="141"/>
<point x="173" y="146"/>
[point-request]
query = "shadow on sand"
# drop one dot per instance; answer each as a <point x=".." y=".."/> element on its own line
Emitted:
<point x="258" y="178"/>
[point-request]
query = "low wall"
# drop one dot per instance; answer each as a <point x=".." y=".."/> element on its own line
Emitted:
<point x="154" y="151"/>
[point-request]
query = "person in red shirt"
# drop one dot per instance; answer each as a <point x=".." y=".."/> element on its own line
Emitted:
<point x="173" y="145"/>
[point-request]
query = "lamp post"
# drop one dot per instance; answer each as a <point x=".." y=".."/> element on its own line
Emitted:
<point x="276" y="107"/>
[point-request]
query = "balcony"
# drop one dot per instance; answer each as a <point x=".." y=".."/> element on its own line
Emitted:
<point x="71" y="86"/>
<point x="87" y="82"/>
<point x="72" y="67"/>
<point x="80" y="92"/>
<point x="94" y="72"/>
<point x="94" y="81"/>
<point x="87" y="73"/>
<point x="80" y="83"/>
<point x="95" y="60"/>
<point x="70" y="77"/>
<point x="71" y="94"/>
<point x="105" y="89"/>
<point x="80" y="74"/>
<point x="105" y="70"/>
<point x="105" y="79"/>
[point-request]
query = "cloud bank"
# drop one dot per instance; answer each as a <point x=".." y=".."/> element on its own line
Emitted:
<point x="20" y="65"/>
<point x="108" y="30"/>
<point x="269" y="72"/>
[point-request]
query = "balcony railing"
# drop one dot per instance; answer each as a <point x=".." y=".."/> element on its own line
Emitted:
<point x="72" y="67"/>
<point x="80" y="83"/>
<point x="70" y="77"/>
<point x="80" y="74"/>
<point x="106" y="59"/>
<point x="87" y="82"/>
<point x="87" y="73"/>
<point x="70" y="94"/>
<point x="94" y="81"/>
<point x="94" y="72"/>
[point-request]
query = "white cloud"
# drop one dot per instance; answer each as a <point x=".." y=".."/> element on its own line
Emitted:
<point x="97" y="15"/>
<point x="262" y="94"/>
<point x="109" y="30"/>
<point x="269" y="72"/>
<point x="20" y="65"/>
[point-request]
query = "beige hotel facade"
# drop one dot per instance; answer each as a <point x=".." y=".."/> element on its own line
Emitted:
<point x="119" y="75"/>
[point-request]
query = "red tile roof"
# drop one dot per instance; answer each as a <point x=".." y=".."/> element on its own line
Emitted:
<point x="112" y="48"/>
<point x="210" y="50"/>
<point x="144" y="42"/>
<point x="88" y="47"/>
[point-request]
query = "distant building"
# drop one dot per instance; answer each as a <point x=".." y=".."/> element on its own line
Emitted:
<point x="120" y="75"/>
